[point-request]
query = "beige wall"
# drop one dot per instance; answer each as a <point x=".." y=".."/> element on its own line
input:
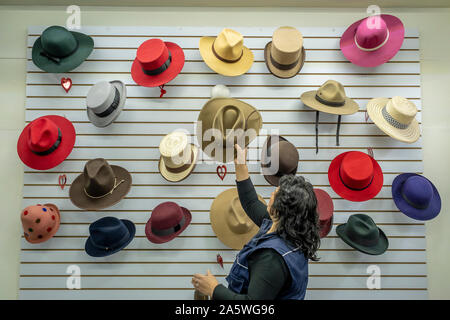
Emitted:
<point x="434" y="26"/>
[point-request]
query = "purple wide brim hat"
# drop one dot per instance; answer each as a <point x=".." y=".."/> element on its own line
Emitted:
<point x="416" y="196"/>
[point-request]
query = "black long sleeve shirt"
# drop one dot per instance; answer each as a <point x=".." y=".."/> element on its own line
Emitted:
<point x="269" y="274"/>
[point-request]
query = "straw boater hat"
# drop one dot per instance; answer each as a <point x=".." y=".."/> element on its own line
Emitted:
<point x="105" y="100"/>
<point x="279" y="157"/>
<point x="330" y="98"/>
<point x="361" y="233"/>
<point x="373" y="41"/>
<point x="230" y="222"/>
<point x="355" y="176"/>
<point x="226" y="53"/>
<point x="156" y="63"/>
<point x="325" y="209"/>
<point x="178" y="156"/>
<point x="416" y="196"/>
<point x="46" y="142"/>
<point x="233" y="121"/>
<point x="59" y="50"/>
<point x="285" y="54"/>
<point x="395" y="117"/>
<point x="100" y="185"/>
<point x="40" y="222"/>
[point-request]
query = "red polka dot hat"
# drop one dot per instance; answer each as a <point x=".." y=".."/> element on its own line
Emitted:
<point x="40" y="222"/>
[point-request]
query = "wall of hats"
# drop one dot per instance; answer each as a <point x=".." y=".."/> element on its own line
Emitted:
<point x="101" y="156"/>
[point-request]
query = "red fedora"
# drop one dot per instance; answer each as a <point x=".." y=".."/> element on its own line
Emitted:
<point x="46" y="142"/>
<point x="167" y="221"/>
<point x="355" y="176"/>
<point x="325" y="210"/>
<point x="157" y="62"/>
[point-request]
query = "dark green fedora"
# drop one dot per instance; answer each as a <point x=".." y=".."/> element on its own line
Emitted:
<point x="361" y="233"/>
<point x="59" y="50"/>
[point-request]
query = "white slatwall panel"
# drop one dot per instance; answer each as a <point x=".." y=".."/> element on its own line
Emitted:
<point x="149" y="271"/>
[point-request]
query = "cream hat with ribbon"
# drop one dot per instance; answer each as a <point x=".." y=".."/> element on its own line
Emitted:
<point x="226" y="53"/>
<point x="178" y="156"/>
<point x="395" y="117"/>
<point x="230" y="222"/>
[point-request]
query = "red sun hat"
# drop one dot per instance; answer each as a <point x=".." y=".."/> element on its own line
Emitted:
<point x="373" y="41"/>
<point x="157" y="62"/>
<point x="46" y="142"/>
<point x="355" y="176"/>
<point x="325" y="209"/>
<point x="167" y="221"/>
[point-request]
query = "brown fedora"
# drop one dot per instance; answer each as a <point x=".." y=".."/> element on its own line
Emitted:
<point x="279" y="157"/>
<point x="329" y="98"/>
<point x="285" y="54"/>
<point x="100" y="185"/>
<point x="234" y="121"/>
<point x="230" y="222"/>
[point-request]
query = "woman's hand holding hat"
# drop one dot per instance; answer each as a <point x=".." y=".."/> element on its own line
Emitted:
<point x="240" y="163"/>
<point x="205" y="283"/>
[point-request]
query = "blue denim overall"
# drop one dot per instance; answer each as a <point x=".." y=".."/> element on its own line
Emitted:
<point x="238" y="279"/>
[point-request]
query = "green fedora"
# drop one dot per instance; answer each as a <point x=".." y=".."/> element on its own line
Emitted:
<point x="59" y="50"/>
<point x="361" y="233"/>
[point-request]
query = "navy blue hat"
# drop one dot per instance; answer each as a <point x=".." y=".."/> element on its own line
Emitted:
<point x="109" y="235"/>
<point x="416" y="196"/>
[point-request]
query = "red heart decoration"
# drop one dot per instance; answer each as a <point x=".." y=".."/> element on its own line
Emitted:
<point x="221" y="171"/>
<point x="66" y="83"/>
<point x="62" y="180"/>
<point x="220" y="260"/>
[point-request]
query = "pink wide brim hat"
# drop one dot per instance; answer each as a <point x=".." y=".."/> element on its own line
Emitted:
<point x="374" y="55"/>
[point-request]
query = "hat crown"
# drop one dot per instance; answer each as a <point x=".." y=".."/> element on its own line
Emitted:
<point x="152" y="54"/>
<point x="98" y="177"/>
<point x="401" y="109"/>
<point x="100" y="96"/>
<point x="107" y="232"/>
<point x="356" y="170"/>
<point x="229" y="44"/>
<point x="42" y="134"/>
<point x="287" y="43"/>
<point x="58" y="41"/>
<point x="166" y="215"/>
<point x="418" y="191"/>
<point x="287" y="155"/>
<point x="38" y="222"/>
<point x="324" y="205"/>
<point x="237" y="219"/>
<point x="371" y="32"/>
<point x="362" y="229"/>
<point x="175" y="149"/>
<point x="228" y="120"/>
<point x="332" y="91"/>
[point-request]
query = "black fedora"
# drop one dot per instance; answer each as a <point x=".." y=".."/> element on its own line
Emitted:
<point x="361" y="233"/>
<point x="109" y="235"/>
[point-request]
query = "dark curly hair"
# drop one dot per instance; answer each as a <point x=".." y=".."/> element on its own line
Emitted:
<point x="295" y="209"/>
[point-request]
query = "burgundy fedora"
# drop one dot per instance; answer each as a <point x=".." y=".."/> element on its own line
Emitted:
<point x="167" y="221"/>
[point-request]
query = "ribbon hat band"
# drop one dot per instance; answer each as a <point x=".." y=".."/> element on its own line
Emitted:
<point x="112" y="107"/>
<point x="392" y="121"/>
<point x="108" y="193"/>
<point x="52" y="148"/>
<point x="171" y="230"/>
<point x="223" y="59"/>
<point x="375" y="48"/>
<point x="161" y="69"/>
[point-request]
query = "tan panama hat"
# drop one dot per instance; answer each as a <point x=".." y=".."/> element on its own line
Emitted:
<point x="395" y="117"/>
<point x="225" y="121"/>
<point x="226" y="53"/>
<point x="178" y="156"/>
<point x="230" y="222"/>
<point x="285" y="54"/>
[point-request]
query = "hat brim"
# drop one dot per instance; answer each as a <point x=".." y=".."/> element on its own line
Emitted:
<point x="381" y="246"/>
<point x="349" y="194"/>
<point x="53" y="159"/>
<point x="409" y="135"/>
<point x="280" y="73"/>
<point x="105" y="121"/>
<point x="370" y="59"/>
<point x="169" y="74"/>
<point x="96" y="252"/>
<point x="79" y="198"/>
<point x="220" y="226"/>
<point x="54" y="230"/>
<point x="230" y="69"/>
<point x="162" y="239"/>
<point x="274" y="180"/>
<point x="428" y="213"/>
<point x="66" y="64"/>
<point x="309" y="99"/>
<point x="178" y="176"/>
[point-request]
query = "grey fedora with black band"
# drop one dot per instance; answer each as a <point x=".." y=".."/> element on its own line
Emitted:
<point x="105" y="100"/>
